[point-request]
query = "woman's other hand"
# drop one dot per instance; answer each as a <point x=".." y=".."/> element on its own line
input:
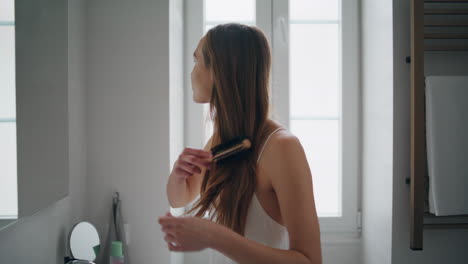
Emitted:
<point x="187" y="233"/>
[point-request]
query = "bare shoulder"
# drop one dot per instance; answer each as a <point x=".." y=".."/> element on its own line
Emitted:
<point x="282" y="144"/>
<point x="284" y="139"/>
<point x="282" y="155"/>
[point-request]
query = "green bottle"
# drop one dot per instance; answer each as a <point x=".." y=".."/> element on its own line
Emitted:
<point x="116" y="255"/>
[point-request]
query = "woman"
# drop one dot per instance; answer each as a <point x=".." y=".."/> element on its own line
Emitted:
<point x="245" y="209"/>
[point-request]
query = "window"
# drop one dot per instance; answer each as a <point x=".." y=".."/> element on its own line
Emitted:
<point x="8" y="173"/>
<point x="314" y="95"/>
<point x="314" y="88"/>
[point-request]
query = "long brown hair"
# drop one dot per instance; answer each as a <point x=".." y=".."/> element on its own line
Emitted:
<point x="239" y="59"/>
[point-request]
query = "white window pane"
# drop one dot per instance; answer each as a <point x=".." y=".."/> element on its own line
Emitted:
<point x="320" y="140"/>
<point x="314" y="70"/>
<point x="314" y="9"/>
<point x="8" y="186"/>
<point x="7" y="10"/>
<point x="7" y="72"/>
<point x="229" y="10"/>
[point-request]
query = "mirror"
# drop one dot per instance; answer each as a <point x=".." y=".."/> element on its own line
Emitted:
<point x="33" y="106"/>
<point x="83" y="242"/>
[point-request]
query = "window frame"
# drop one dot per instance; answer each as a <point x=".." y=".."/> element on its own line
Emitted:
<point x="272" y="16"/>
<point x="11" y="119"/>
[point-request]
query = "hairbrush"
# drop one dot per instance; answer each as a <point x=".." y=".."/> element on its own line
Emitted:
<point x="230" y="148"/>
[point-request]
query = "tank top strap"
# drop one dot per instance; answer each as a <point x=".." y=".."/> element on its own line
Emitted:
<point x="266" y="141"/>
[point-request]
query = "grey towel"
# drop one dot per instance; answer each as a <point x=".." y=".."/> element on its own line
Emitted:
<point x="115" y="232"/>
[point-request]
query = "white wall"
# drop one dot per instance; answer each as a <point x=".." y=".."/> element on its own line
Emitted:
<point x="439" y="246"/>
<point x="128" y="119"/>
<point x="24" y="241"/>
<point x="377" y="112"/>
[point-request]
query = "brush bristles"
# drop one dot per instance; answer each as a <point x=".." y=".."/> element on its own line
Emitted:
<point x="245" y="144"/>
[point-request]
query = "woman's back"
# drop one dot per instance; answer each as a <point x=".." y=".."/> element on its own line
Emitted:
<point x="259" y="227"/>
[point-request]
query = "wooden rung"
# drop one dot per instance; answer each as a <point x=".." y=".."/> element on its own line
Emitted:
<point x="446" y="23"/>
<point x="445" y="11"/>
<point x="446" y="48"/>
<point x="445" y="36"/>
<point x="445" y="1"/>
<point x="446" y="226"/>
<point x="428" y="215"/>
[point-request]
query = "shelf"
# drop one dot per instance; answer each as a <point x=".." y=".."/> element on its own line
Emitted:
<point x="430" y="215"/>
<point x="446" y="226"/>
<point x="446" y="11"/>
<point x="428" y="23"/>
<point x="445" y="1"/>
<point x="445" y="35"/>
<point x="447" y="221"/>
<point x="446" y="48"/>
<point x="419" y="13"/>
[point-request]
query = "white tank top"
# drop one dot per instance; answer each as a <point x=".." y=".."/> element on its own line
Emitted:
<point x="259" y="227"/>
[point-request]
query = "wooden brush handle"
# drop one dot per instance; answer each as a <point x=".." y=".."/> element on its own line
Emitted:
<point x="245" y="144"/>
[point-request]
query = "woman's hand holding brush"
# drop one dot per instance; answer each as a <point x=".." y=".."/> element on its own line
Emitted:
<point x="190" y="162"/>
